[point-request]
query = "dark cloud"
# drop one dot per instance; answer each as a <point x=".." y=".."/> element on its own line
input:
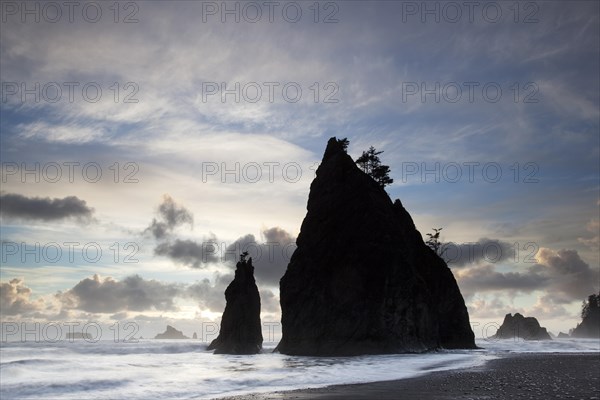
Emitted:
<point x="458" y="255"/>
<point x="170" y="215"/>
<point x="133" y="293"/>
<point x="208" y="295"/>
<point x="270" y="257"/>
<point x="97" y="295"/>
<point x="189" y="252"/>
<point x="212" y="296"/>
<point x="44" y="209"/>
<point x="15" y="298"/>
<point x="484" y="278"/>
<point x="107" y="295"/>
<point x="182" y="251"/>
<point x="572" y="278"/>
<point x="562" y="274"/>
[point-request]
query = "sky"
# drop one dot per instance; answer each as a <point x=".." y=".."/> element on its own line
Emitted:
<point x="144" y="145"/>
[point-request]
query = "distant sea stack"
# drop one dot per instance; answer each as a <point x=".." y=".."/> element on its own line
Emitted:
<point x="241" y="330"/>
<point x="79" y="335"/>
<point x="518" y="326"/>
<point x="171" y="333"/>
<point x="361" y="280"/>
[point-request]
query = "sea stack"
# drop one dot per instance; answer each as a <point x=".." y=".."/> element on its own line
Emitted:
<point x="361" y="280"/>
<point x="590" y="322"/>
<point x="241" y="331"/>
<point x="171" y="333"/>
<point x="518" y="326"/>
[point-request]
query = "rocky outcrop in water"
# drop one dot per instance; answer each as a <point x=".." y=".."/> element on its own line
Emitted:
<point x="171" y="333"/>
<point x="590" y="322"/>
<point x="361" y="280"/>
<point x="241" y="331"/>
<point x="518" y="326"/>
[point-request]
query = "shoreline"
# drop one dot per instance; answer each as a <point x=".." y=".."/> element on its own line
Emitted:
<point x="540" y="376"/>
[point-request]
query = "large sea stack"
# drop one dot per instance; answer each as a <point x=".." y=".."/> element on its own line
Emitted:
<point x="518" y="326"/>
<point x="241" y="331"/>
<point x="361" y="280"/>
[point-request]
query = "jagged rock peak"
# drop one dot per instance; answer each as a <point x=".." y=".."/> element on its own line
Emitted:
<point x="171" y="333"/>
<point x="361" y="279"/>
<point x="241" y="330"/>
<point x="333" y="147"/>
<point x="518" y="326"/>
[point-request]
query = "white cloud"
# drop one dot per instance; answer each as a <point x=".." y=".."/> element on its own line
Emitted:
<point x="15" y="298"/>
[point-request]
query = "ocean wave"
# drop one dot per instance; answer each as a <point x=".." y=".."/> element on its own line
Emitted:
<point x="53" y="390"/>
<point x="108" y="347"/>
<point x="185" y="369"/>
<point x="28" y="361"/>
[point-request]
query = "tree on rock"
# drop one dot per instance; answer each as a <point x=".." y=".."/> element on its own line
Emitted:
<point x="434" y="240"/>
<point x="371" y="165"/>
<point x="344" y="143"/>
<point x="591" y="307"/>
<point x="590" y="318"/>
<point x="369" y="160"/>
<point x="334" y="302"/>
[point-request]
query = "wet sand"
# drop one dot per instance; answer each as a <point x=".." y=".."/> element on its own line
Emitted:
<point x="520" y="376"/>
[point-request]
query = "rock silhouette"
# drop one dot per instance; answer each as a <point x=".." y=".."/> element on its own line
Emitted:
<point x="195" y="336"/>
<point x="562" y="335"/>
<point x="241" y="331"/>
<point x="361" y="280"/>
<point x="171" y="333"/>
<point x="590" y="319"/>
<point x="79" y="335"/>
<point x="518" y="326"/>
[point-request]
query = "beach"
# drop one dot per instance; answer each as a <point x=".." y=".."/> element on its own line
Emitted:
<point x="512" y="376"/>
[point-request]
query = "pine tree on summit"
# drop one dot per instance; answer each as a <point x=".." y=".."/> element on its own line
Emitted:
<point x="370" y="164"/>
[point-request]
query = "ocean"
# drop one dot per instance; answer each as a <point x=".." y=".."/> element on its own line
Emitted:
<point x="183" y="369"/>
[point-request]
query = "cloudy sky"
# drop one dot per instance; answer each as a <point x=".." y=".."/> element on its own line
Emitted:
<point x="144" y="146"/>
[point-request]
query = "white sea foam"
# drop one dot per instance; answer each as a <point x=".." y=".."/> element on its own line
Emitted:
<point x="183" y="369"/>
<point x="518" y="345"/>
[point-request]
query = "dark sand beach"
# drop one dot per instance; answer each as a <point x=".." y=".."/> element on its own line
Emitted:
<point x="515" y="376"/>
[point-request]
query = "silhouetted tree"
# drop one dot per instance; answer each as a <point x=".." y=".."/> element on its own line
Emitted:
<point x="369" y="160"/>
<point x="590" y="318"/>
<point x="591" y="307"/>
<point x="382" y="175"/>
<point x="370" y="163"/>
<point x="434" y="241"/>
